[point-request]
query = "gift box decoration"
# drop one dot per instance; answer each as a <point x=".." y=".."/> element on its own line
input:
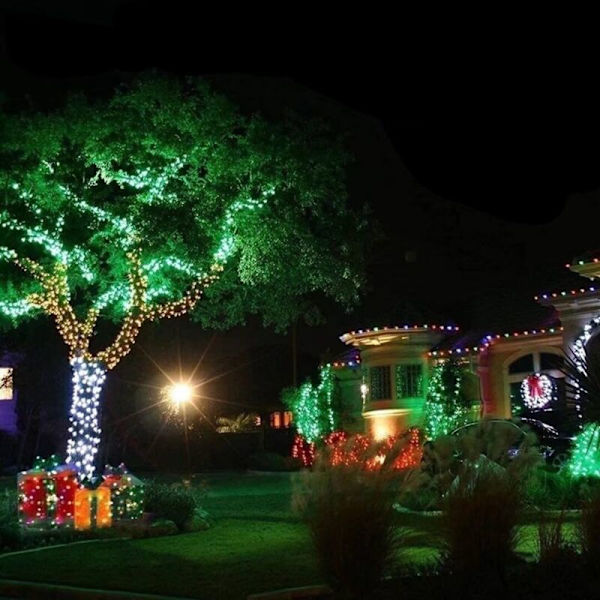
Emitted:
<point x="32" y="486"/>
<point x="92" y="508"/>
<point x="46" y="493"/>
<point x="126" y="493"/>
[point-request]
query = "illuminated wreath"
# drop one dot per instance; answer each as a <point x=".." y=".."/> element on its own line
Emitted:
<point x="536" y="390"/>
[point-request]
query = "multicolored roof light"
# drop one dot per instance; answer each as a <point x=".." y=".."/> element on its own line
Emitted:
<point x="489" y="339"/>
<point x="401" y="328"/>
<point x="583" y="262"/>
<point x="565" y="293"/>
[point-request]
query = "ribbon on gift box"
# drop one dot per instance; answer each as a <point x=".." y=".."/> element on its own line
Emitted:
<point x="66" y="485"/>
<point x="46" y="464"/>
<point x="92" y="508"/>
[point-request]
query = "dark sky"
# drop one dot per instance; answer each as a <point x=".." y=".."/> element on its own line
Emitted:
<point x="483" y="177"/>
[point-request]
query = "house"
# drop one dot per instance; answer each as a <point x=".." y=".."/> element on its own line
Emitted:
<point x="8" y="395"/>
<point x="384" y="375"/>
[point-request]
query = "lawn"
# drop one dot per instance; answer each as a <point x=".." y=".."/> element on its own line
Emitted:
<point x="256" y="544"/>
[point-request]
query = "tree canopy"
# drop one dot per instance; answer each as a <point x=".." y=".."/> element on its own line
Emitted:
<point x="131" y="208"/>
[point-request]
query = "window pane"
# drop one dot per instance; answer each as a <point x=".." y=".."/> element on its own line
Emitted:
<point x="522" y="365"/>
<point x="516" y="401"/>
<point x="380" y="383"/>
<point x="6" y="385"/>
<point x="409" y="381"/>
<point x="548" y="362"/>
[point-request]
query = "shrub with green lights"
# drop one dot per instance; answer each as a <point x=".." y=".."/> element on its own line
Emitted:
<point x="585" y="454"/>
<point x="130" y="209"/>
<point x="446" y="406"/>
<point x="313" y="406"/>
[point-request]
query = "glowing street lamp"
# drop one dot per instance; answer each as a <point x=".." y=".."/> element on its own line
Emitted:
<point x="179" y="394"/>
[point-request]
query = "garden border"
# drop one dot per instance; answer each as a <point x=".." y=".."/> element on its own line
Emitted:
<point x="53" y="591"/>
<point x="49" y="547"/>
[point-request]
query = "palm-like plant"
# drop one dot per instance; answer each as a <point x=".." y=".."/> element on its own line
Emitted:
<point x="239" y="424"/>
<point x="582" y="383"/>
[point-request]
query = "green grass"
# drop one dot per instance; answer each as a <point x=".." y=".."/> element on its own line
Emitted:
<point x="230" y="560"/>
<point x="256" y="544"/>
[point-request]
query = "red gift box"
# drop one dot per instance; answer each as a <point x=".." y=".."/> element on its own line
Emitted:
<point x="32" y="487"/>
<point x="46" y="497"/>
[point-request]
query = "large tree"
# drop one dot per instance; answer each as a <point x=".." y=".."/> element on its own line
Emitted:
<point x="130" y="209"/>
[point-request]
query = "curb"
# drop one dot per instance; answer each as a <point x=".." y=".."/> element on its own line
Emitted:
<point x="296" y="593"/>
<point x="65" y="545"/>
<point x="50" y="591"/>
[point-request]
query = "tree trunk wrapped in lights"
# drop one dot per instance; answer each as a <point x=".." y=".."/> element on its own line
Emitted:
<point x="129" y="210"/>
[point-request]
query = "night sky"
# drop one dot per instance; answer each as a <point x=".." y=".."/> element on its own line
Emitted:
<point x="483" y="183"/>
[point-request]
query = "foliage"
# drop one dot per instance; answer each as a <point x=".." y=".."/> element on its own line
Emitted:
<point x="170" y="173"/>
<point x="448" y="457"/>
<point x="479" y="519"/>
<point x="271" y="461"/>
<point x="239" y="424"/>
<point x="447" y="406"/>
<point x="351" y="516"/>
<point x="314" y="407"/>
<point x="557" y="490"/>
<point x="171" y="502"/>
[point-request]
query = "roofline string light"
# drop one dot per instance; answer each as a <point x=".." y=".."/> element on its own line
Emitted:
<point x="489" y="339"/>
<point x="565" y="293"/>
<point x="400" y="328"/>
<point x="583" y="262"/>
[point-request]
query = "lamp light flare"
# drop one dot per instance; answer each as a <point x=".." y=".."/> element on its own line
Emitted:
<point x="180" y="393"/>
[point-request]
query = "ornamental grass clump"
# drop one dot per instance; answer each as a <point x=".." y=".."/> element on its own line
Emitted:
<point x="349" y="509"/>
<point x="555" y="552"/>
<point x="589" y="532"/>
<point x="480" y="516"/>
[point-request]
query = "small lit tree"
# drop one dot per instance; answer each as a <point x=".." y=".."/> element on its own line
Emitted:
<point x="131" y="209"/>
<point x="313" y="406"/>
<point x="446" y="405"/>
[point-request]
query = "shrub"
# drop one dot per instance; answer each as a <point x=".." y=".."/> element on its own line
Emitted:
<point x="555" y="553"/>
<point x="171" y="502"/>
<point x="479" y="519"/>
<point x="446" y="458"/>
<point x="555" y="490"/>
<point x="10" y="532"/>
<point x="350" y="513"/>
